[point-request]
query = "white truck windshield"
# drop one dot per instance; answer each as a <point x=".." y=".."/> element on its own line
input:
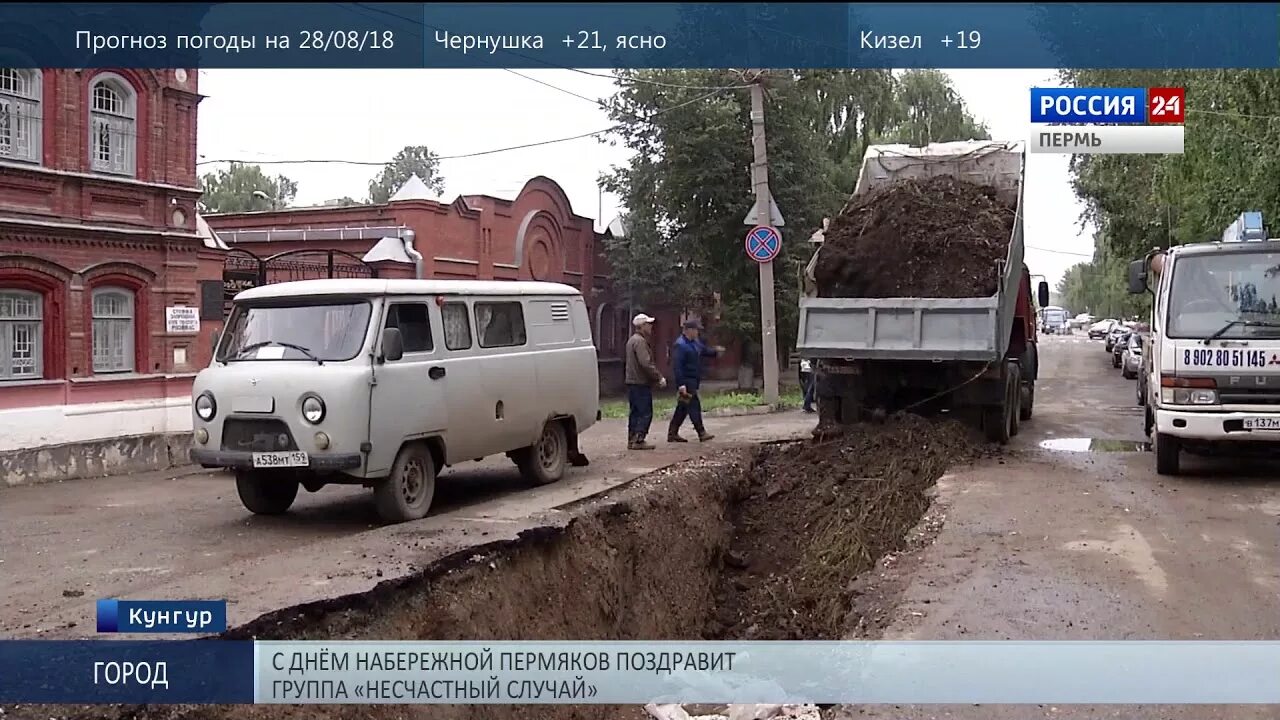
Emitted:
<point x="330" y="331"/>
<point x="1236" y="289"/>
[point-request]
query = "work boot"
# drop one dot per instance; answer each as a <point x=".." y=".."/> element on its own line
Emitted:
<point x="704" y="436"/>
<point x="674" y="437"/>
<point x="638" y="443"/>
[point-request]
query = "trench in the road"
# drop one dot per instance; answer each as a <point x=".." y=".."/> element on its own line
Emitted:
<point x="758" y="544"/>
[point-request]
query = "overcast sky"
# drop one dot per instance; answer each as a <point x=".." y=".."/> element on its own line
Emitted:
<point x="264" y="115"/>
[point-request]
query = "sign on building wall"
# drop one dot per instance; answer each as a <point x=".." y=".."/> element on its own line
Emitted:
<point x="182" y="320"/>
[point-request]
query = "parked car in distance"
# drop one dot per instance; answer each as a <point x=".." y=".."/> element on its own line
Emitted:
<point x="1099" y="330"/>
<point x="1131" y="356"/>
<point x="1118" y="345"/>
<point x="1114" y="335"/>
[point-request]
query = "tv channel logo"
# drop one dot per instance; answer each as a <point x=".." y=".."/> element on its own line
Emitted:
<point x="162" y="616"/>
<point x="1089" y="105"/>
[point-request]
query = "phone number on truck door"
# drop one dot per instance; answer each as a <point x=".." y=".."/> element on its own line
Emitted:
<point x="1228" y="358"/>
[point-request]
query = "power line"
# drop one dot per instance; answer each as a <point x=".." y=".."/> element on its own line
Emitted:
<point x="1060" y="252"/>
<point x="479" y="153"/>
<point x="596" y="102"/>
<point x="658" y="83"/>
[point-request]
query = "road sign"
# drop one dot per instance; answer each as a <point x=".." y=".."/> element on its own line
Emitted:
<point x="763" y="243"/>
<point x="775" y="216"/>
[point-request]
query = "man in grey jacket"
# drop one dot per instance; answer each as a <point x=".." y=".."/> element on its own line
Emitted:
<point x="642" y="375"/>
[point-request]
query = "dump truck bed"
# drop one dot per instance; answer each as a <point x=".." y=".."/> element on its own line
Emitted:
<point x="922" y="328"/>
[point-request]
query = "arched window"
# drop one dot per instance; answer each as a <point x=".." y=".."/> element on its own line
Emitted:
<point x="20" y="115"/>
<point x="21" y="335"/>
<point x="113" y="121"/>
<point x="113" y="349"/>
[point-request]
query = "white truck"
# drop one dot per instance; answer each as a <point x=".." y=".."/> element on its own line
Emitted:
<point x="1212" y="369"/>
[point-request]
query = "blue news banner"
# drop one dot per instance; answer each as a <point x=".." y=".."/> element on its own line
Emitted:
<point x="264" y="672"/>
<point x="640" y="35"/>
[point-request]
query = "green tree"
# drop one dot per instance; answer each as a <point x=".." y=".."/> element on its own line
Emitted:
<point x="1140" y="202"/>
<point x="245" y="188"/>
<point x="926" y="109"/>
<point x="412" y="160"/>
<point x="688" y="188"/>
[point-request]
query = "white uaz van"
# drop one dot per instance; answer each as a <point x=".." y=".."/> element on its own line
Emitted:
<point x="383" y="383"/>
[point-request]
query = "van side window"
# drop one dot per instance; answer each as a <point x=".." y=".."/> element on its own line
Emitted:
<point x="414" y="323"/>
<point x="457" y="326"/>
<point x="501" y="324"/>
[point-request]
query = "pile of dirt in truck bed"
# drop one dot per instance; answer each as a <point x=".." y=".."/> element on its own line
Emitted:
<point x="934" y="237"/>
<point x="815" y="515"/>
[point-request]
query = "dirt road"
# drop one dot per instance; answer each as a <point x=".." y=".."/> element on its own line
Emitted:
<point x="1067" y="535"/>
<point x="157" y="536"/>
<point x="1080" y="544"/>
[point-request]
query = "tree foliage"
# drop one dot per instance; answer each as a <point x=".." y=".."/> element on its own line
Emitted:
<point x="1140" y="202"/>
<point x="927" y="109"/>
<point x="412" y="160"/>
<point x="688" y="185"/>
<point x="245" y="188"/>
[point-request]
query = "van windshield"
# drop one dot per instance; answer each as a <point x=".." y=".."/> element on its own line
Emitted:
<point x="296" y="331"/>
<point x="1209" y="292"/>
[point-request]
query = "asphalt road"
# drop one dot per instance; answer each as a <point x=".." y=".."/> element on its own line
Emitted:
<point x="161" y="536"/>
<point x="1090" y="544"/>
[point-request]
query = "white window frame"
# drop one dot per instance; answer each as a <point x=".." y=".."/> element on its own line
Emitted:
<point x="12" y="326"/>
<point x="21" y="121"/>
<point x="117" y="125"/>
<point x="112" y="359"/>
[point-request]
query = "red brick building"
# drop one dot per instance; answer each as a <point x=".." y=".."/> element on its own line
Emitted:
<point x="101" y="260"/>
<point x="536" y="236"/>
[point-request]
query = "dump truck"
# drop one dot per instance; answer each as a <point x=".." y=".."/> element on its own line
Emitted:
<point x="973" y="357"/>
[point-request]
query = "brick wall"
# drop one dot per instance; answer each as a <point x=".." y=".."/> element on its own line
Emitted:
<point x="67" y="229"/>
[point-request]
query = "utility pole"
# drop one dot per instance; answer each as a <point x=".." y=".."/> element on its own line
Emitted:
<point x="768" y="310"/>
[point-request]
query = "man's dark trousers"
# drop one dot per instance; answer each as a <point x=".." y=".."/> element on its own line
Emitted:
<point x="640" y="398"/>
<point x="692" y="409"/>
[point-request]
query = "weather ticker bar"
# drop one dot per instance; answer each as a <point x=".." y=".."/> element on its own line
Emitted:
<point x="640" y="35"/>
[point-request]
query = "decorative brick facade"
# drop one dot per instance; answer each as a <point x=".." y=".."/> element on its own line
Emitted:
<point x="98" y="236"/>
<point x="536" y="236"/>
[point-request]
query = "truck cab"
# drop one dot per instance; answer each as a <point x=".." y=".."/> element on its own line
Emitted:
<point x="1213" y="360"/>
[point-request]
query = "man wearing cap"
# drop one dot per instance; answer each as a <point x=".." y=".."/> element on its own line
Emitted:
<point x="642" y="375"/>
<point x="687" y="359"/>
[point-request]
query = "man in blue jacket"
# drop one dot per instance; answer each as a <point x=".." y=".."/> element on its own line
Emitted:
<point x="687" y="360"/>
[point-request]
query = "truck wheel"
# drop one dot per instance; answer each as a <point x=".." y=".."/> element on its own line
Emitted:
<point x="407" y="492"/>
<point x="543" y="462"/>
<point x="995" y="423"/>
<point x="1027" y="406"/>
<point x="264" y="493"/>
<point x="1168" y="451"/>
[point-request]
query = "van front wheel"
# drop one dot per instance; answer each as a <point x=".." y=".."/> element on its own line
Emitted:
<point x="543" y="462"/>
<point x="263" y="493"/>
<point x="407" y="492"/>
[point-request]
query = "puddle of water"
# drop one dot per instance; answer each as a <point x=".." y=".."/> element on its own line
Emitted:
<point x="1094" y="445"/>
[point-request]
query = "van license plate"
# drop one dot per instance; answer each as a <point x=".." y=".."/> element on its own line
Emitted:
<point x="295" y="458"/>
<point x="1262" y="423"/>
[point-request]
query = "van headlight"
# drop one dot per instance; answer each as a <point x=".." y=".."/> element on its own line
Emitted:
<point x="313" y="409"/>
<point x="206" y="406"/>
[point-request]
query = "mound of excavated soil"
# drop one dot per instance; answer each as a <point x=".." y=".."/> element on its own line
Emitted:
<point x="762" y="544"/>
<point x="816" y="515"/>
<point x="936" y="237"/>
